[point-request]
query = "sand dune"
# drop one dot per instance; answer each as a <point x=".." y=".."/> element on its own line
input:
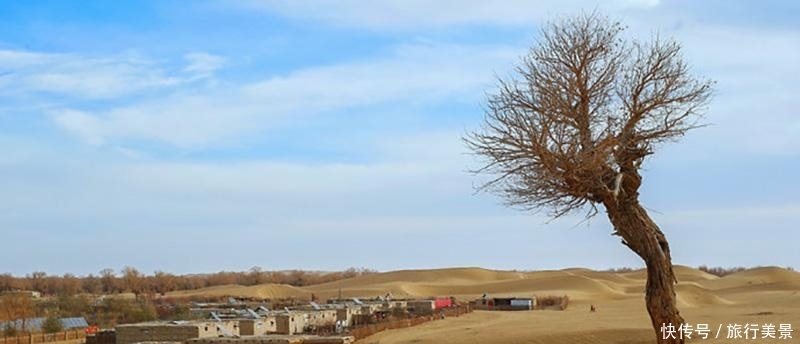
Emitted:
<point x="761" y="295"/>
<point x="757" y="279"/>
<point x="263" y="291"/>
<point x="696" y="288"/>
<point x="757" y="296"/>
<point x="691" y="294"/>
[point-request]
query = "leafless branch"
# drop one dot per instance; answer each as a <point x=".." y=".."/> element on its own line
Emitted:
<point x="583" y="112"/>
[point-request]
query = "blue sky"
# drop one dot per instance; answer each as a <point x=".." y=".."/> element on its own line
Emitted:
<point x="221" y="135"/>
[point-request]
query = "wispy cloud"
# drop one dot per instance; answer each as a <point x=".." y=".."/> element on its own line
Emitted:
<point x="93" y="77"/>
<point x="203" y="64"/>
<point x="415" y="74"/>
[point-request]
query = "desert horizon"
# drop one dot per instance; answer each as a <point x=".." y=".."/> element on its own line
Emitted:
<point x="753" y="296"/>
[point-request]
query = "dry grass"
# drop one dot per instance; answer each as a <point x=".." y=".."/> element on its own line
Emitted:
<point x="720" y="271"/>
<point x="552" y="302"/>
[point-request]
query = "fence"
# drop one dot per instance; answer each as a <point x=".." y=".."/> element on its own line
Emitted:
<point x="364" y="331"/>
<point x="77" y="335"/>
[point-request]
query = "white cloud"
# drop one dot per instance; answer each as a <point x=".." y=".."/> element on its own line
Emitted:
<point x="412" y="74"/>
<point x="82" y="124"/>
<point x="203" y="64"/>
<point x="79" y="76"/>
<point x="256" y="203"/>
<point x="91" y="77"/>
<point x="413" y="14"/>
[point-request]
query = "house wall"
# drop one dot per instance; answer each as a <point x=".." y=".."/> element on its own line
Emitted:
<point x="170" y="332"/>
<point x="346" y="315"/>
<point x="323" y="317"/>
<point x="398" y="304"/>
<point x="290" y="323"/>
<point x="257" y="327"/>
<point x="443" y="302"/>
<point x="422" y="306"/>
<point x="155" y="333"/>
<point x="504" y="304"/>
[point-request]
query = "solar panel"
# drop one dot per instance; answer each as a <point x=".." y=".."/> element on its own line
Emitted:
<point x="253" y="314"/>
<point x="76" y="322"/>
<point x="36" y="324"/>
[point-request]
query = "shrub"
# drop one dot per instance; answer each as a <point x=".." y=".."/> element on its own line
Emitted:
<point x="552" y="302"/>
<point x="10" y="330"/>
<point x="52" y="324"/>
<point x="720" y="271"/>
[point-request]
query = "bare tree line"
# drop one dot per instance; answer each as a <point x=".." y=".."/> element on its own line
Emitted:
<point x="130" y="279"/>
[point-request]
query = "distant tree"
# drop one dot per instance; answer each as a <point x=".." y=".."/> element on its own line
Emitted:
<point x="7" y="282"/>
<point x="52" y="324"/>
<point x="570" y="132"/>
<point x="298" y="278"/>
<point x="256" y="276"/>
<point x="72" y="305"/>
<point x="37" y="281"/>
<point x="163" y="282"/>
<point x="132" y="280"/>
<point x="108" y="280"/>
<point x="91" y="285"/>
<point x="70" y="285"/>
<point x="16" y="306"/>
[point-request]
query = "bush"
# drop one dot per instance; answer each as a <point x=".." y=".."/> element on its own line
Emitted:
<point x="552" y="302"/>
<point x="720" y="271"/>
<point x="52" y="324"/>
<point x="10" y="330"/>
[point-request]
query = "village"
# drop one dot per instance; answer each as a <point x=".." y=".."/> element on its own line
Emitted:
<point x="241" y="320"/>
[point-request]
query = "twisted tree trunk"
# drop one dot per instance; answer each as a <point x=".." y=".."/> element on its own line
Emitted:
<point x="642" y="235"/>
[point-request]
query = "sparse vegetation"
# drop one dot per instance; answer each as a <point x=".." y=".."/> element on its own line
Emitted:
<point x="720" y="271"/>
<point x="129" y="279"/>
<point x="52" y="324"/>
<point x="552" y="302"/>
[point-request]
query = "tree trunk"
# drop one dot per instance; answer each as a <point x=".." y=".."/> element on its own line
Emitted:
<point x="642" y="235"/>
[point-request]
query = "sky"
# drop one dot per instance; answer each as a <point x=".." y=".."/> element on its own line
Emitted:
<point x="202" y="136"/>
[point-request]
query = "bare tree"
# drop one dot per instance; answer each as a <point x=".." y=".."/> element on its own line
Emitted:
<point x="108" y="280"/>
<point x="37" y="281"/>
<point x="163" y="282"/>
<point x="132" y="280"/>
<point x="16" y="306"/>
<point x="571" y="130"/>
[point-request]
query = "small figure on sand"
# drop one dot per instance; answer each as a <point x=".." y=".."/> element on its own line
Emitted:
<point x="592" y="308"/>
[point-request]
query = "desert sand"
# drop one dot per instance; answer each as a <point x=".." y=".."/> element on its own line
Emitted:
<point x="767" y="295"/>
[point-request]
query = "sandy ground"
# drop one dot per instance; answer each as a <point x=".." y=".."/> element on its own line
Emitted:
<point x="755" y="297"/>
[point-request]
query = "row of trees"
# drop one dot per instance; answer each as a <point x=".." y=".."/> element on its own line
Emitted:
<point x="130" y="279"/>
<point x="105" y="312"/>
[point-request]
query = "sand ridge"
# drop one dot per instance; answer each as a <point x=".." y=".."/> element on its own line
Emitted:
<point x="760" y="295"/>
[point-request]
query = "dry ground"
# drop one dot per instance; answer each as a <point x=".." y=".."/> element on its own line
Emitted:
<point x="757" y="296"/>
